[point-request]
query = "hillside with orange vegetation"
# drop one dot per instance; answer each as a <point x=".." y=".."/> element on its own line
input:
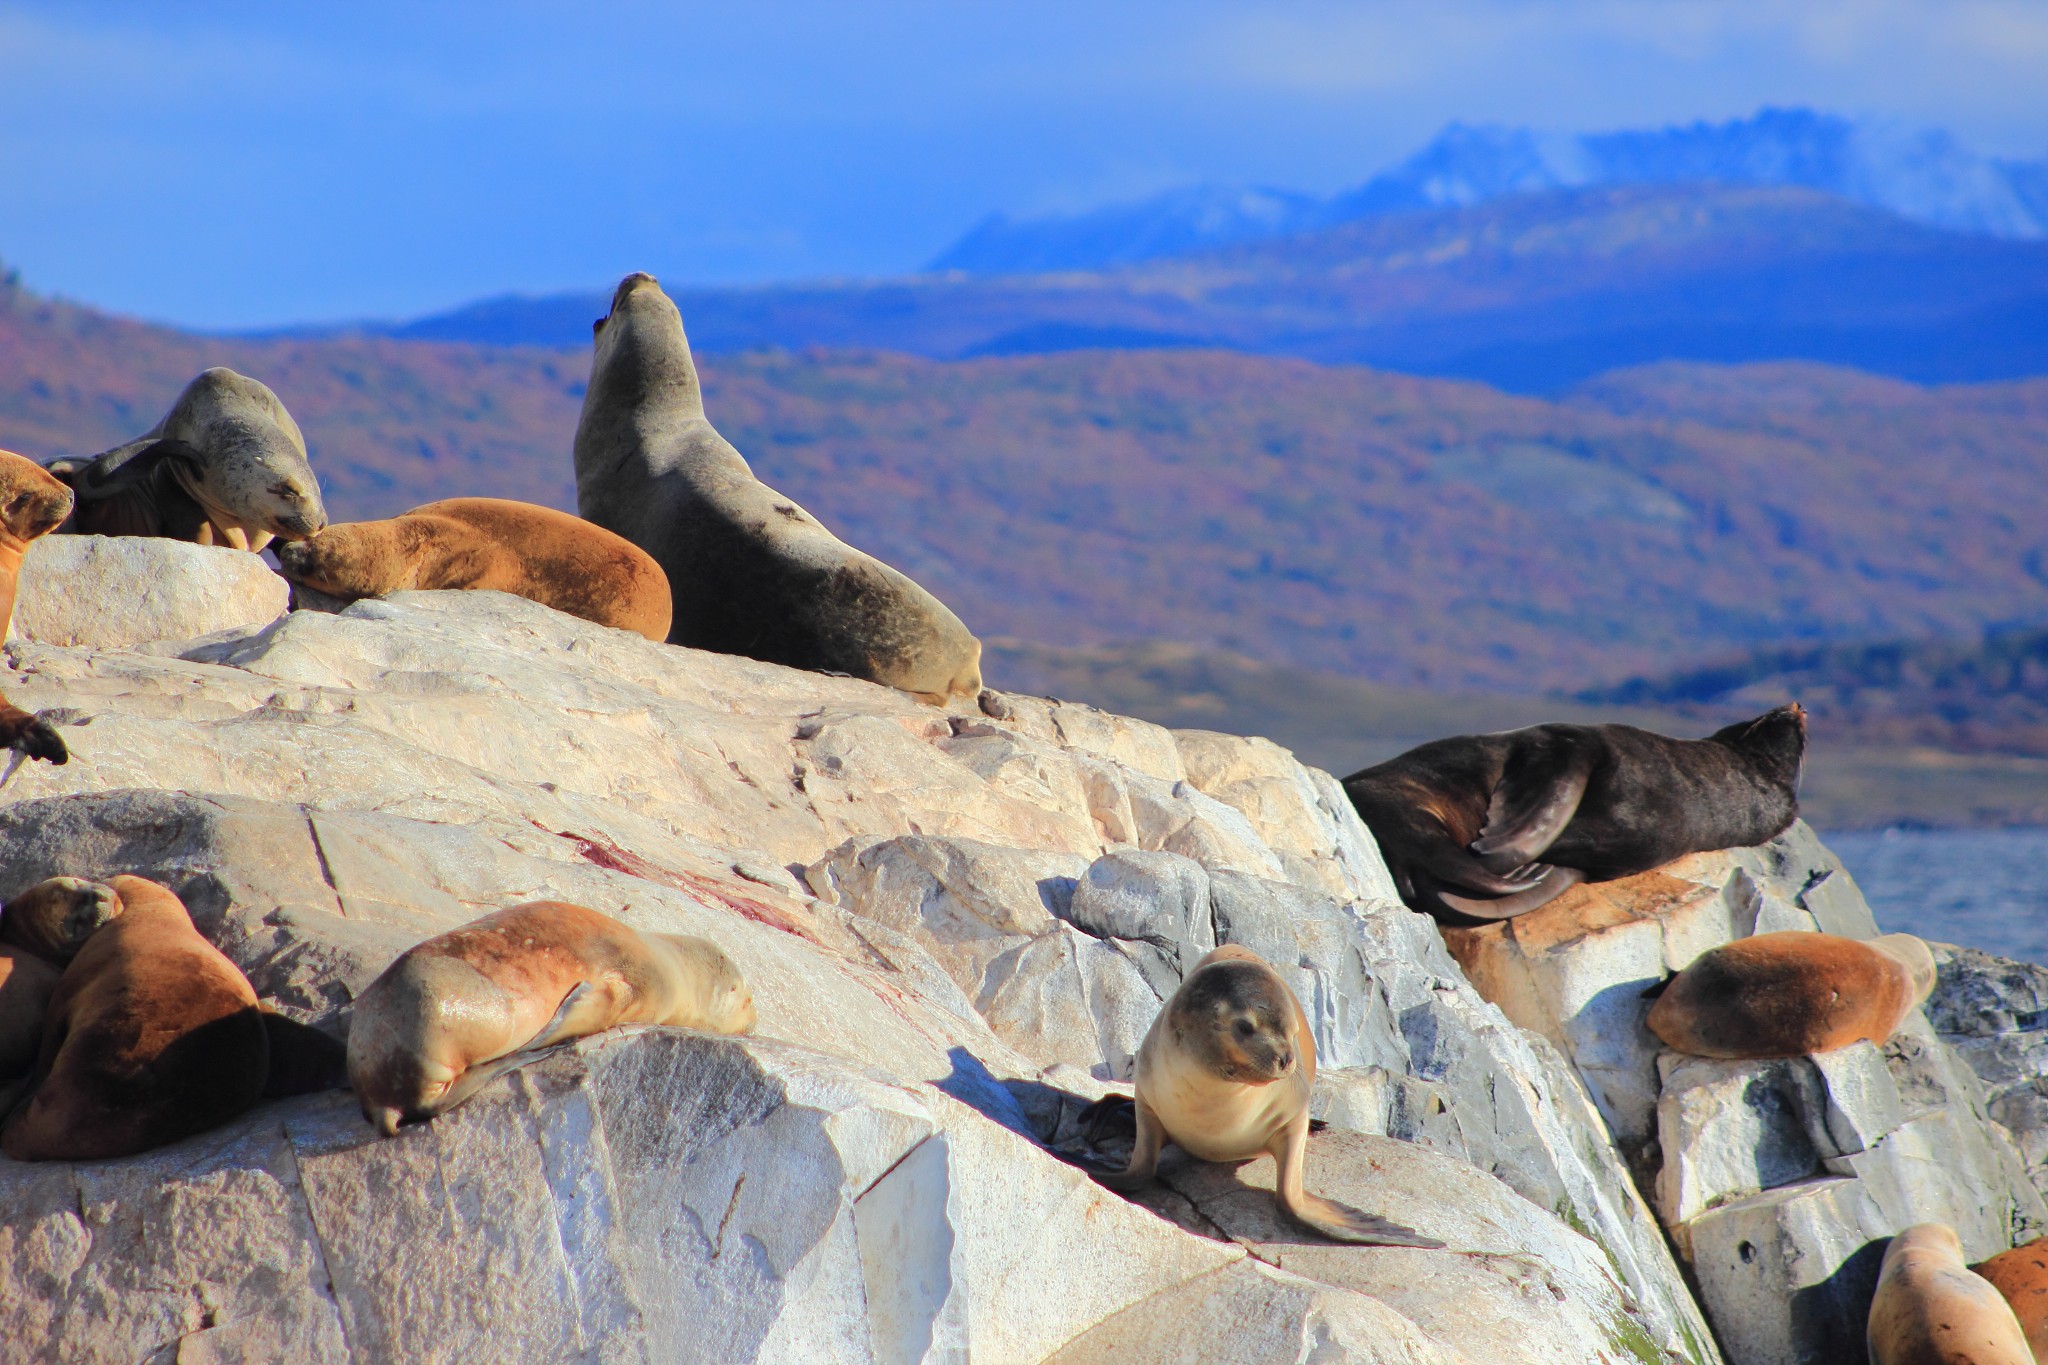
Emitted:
<point x="1414" y="532"/>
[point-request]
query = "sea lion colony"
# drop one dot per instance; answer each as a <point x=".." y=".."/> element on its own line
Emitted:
<point x="123" y="1028"/>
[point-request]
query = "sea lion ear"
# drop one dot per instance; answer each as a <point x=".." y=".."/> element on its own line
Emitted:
<point x="125" y="466"/>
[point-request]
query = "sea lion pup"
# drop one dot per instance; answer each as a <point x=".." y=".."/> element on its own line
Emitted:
<point x="1224" y="1073"/>
<point x="533" y="552"/>
<point x="1485" y="827"/>
<point x="2021" y="1276"/>
<point x="152" y="1035"/>
<point x="753" y="573"/>
<point x="1792" y="993"/>
<point x="454" y="1013"/>
<point x="33" y="503"/>
<point x="226" y="466"/>
<point x="1930" y="1310"/>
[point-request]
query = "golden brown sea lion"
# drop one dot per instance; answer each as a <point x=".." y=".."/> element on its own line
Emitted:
<point x="32" y="503"/>
<point x="1791" y="993"/>
<point x="54" y="918"/>
<point x="534" y="552"/>
<point x="1485" y="827"/>
<point x="2021" y="1276"/>
<point x="225" y="466"/>
<point x="1225" y="1073"/>
<point x="753" y="573"/>
<point x="152" y="1035"/>
<point x="459" y="1010"/>
<point x="1930" y="1310"/>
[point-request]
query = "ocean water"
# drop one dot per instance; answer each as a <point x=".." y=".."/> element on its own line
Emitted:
<point x="1983" y="888"/>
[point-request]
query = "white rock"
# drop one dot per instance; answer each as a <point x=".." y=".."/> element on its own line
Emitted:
<point x="110" y="592"/>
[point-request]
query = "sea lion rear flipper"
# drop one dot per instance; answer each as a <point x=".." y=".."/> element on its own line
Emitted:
<point x="1535" y="799"/>
<point x="1553" y="882"/>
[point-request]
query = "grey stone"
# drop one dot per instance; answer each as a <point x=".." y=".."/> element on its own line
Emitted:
<point x="1837" y="906"/>
<point x="109" y="592"/>
<point x="1155" y="901"/>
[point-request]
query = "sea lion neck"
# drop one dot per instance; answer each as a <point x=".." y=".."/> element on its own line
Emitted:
<point x="642" y="356"/>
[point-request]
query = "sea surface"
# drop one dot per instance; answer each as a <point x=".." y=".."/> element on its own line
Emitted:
<point x="1983" y="888"/>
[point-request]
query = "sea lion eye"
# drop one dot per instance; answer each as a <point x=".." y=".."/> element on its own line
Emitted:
<point x="1244" y="1028"/>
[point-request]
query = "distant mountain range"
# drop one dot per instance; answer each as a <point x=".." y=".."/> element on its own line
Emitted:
<point x="1922" y="174"/>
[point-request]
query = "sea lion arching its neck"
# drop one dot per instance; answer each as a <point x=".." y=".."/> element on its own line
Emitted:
<point x="752" y="572"/>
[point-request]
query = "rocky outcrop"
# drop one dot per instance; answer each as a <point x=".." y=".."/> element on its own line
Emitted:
<point x="1779" y="1181"/>
<point x="1994" y="1012"/>
<point x="110" y="592"/>
<point x="956" y="924"/>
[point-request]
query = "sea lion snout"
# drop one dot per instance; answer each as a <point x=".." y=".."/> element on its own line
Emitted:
<point x="38" y="504"/>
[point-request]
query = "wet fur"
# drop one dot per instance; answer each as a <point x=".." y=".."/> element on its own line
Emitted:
<point x="533" y="552"/>
<point x="1791" y="993"/>
<point x="1225" y="1073"/>
<point x="753" y="573"/>
<point x="423" y="1032"/>
<point x="1929" y="1309"/>
<point x="226" y="466"/>
<point x="151" y="1036"/>
<point x="1648" y="799"/>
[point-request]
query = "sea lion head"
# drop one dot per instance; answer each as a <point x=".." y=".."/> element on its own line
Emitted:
<point x="714" y="987"/>
<point x="32" y="500"/>
<point x="1776" y="741"/>
<point x="355" y="559"/>
<point x="641" y="354"/>
<point x="240" y="453"/>
<point x="1913" y="954"/>
<point x="54" y="918"/>
<point x="1234" y="1015"/>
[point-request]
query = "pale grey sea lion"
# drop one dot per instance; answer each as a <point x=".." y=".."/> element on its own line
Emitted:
<point x="752" y="573"/>
<point x="226" y="466"/>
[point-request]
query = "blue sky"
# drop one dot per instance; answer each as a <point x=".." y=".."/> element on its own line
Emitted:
<point x="253" y="164"/>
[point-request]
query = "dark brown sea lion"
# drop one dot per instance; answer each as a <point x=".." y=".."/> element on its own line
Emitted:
<point x="533" y="552"/>
<point x="461" y="1009"/>
<point x="1484" y="827"/>
<point x="752" y="572"/>
<point x="151" y="1036"/>
<point x="33" y="502"/>
<point x="1792" y="993"/>
<point x="2021" y="1276"/>
<point x="54" y="918"/>
<point x="225" y="466"/>
<point x="1930" y="1310"/>
<point x="1225" y="1073"/>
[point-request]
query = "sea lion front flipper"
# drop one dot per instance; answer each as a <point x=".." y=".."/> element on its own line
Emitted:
<point x="1336" y="1221"/>
<point x="1552" y="883"/>
<point x="1144" y="1154"/>
<point x="571" y="1020"/>
<point x="1534" y="800"/>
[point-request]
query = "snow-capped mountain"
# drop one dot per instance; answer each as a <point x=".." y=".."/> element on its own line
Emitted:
<point x="1923" y="174"/>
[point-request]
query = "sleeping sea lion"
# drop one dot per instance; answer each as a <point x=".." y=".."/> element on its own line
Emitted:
<point x="2021" y="1276"/>
<point x="33" y="502"/>
<point x="1930" y="1310"/>
<point x="1225" y="1073"/>
<point x="1792" y="993"/>
<point x="752" y="572"/>
<point x="454" y="1013"/>
<point x="1484" y="827"/>
<point x="226" y="466"/>
<point x="151" y="1036"/>
<point x="41" y="930"/>
<point x="534" y="552"/>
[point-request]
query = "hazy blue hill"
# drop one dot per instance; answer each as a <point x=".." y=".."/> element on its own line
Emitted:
<point x="1531" y="293"/>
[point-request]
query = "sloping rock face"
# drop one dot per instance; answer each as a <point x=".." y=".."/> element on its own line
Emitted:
<point x="1994" y="1012"/>
<point x="1779" y="1181"/>
<point x="957" y="925"/>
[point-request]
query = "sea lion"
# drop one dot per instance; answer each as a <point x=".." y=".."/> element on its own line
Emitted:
<point x="1484" y="827"/>
<point x="33" y="502"/>
<point x="2021" y="1276"/>
<point x="26" y="985"/>
<point x="1791" y="993"/>
<point x="459" y="1010"/>
<point x="534" y="552"/>
<point x="225" y="466"/>
<point x="151" y="1036"/>
<point x="54" y="918"/>
<point x="753" y="573"/>
<point x="1225" y="1073"/>
<point x="1930" y="1310"/>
